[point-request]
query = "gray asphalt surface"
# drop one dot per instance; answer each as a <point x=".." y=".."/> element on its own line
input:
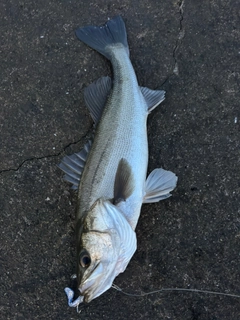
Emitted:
<point x="192" y="240"/>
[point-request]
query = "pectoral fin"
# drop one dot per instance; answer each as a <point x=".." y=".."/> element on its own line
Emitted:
<point x="96" y="95"/>
<point x="159" y="184"/>
<point x="123" y="185"/>
<point x="152" y="97"/>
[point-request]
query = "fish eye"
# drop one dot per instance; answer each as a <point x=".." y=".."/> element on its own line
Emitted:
<point x="84" y="259"/>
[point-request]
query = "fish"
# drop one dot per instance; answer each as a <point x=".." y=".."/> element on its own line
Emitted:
<point x="110" y="172"/>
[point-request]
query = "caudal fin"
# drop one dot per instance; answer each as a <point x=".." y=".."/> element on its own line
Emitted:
<point x="99" y="38"/>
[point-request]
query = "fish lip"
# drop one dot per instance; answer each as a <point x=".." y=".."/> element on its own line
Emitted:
<point x="81" y="283"/>
<point x="87" y="299"/>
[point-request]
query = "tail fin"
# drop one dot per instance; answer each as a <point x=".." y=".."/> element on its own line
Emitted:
<point x="99" y="38"/>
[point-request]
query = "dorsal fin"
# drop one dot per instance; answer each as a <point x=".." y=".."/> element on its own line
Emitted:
<point x="123" y="185"/>
<point x="73" y="165"/>
<point x="96" y="95"/>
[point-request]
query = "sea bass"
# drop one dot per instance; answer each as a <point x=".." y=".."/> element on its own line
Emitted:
<point x="112" y="168"/>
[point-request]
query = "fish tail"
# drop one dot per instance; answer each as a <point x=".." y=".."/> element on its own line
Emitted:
<point x="101" y="38"/>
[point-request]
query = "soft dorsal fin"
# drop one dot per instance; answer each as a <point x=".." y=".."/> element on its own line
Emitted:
<point x="152" y="97"/>
<point x="123" y="185"/>
<point x="73" y="165"/>
<point x="159" y="184"/>
<point x="96" y="95"/>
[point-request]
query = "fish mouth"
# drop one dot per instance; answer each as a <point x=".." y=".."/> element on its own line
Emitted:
<point x="89" y="286"/>
<point x="97" y="283"/>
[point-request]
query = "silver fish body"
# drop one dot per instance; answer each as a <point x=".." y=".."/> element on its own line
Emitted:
<point x="113" y="170"/>
<point x="121" y="133"/>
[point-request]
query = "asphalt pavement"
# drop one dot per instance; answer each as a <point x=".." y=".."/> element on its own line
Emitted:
<point x="191" y="240"/>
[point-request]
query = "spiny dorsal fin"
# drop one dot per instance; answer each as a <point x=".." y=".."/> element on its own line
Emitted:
<point x="96" y="95"/>
<point x="123" y="185"/>
<point x="152" y="97"/>
<point x="73" y="165"/>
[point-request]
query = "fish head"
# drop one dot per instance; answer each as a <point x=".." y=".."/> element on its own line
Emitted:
<point x="106" y="245"/>
<point x="96" y="266"/>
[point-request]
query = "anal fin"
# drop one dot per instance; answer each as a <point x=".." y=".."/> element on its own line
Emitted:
<point x="152" y="97"/>
<point x="159" y="184"/>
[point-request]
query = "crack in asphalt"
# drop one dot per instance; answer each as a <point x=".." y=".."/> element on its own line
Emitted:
<point x="180" y="37"/>
<point x="86" y="135"/>
<point x="181" y="34"/>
